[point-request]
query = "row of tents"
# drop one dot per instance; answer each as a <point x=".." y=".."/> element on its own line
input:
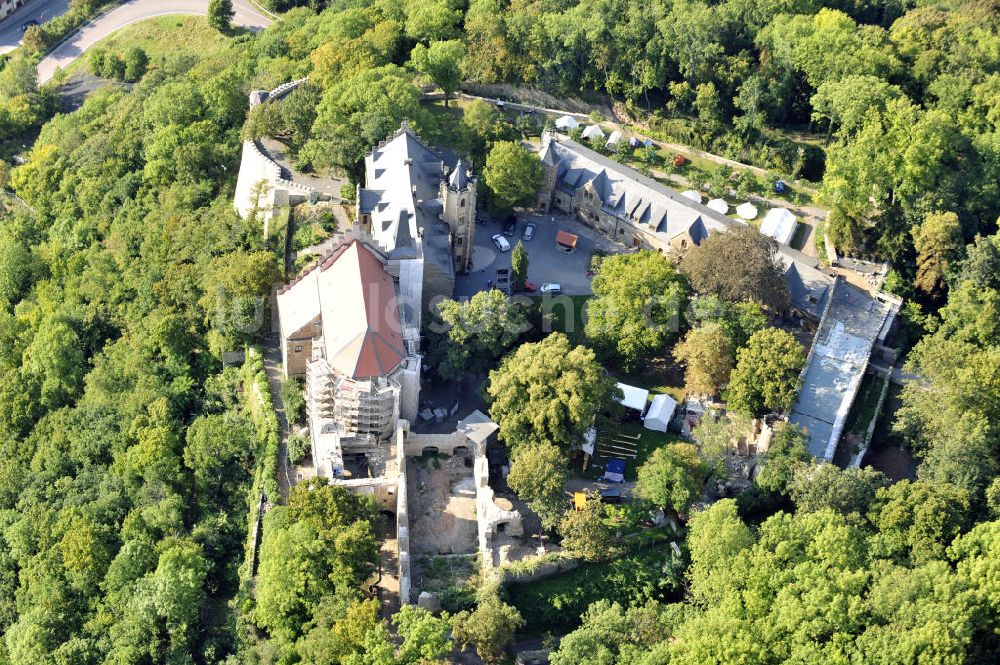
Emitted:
<point x="778" y="223"/>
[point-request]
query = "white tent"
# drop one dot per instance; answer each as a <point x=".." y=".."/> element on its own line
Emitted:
<point x="719" y="206"/>
<point x="779" y="223"/>
<point x="633" y="398"/>
<point x="693" y="195"/>
<point x="616" y="137"/>
<point x="746" y="210"/>
<point x="593" y="132"/>
<point x="567" y="122"/>
<point x="660" y="412"/>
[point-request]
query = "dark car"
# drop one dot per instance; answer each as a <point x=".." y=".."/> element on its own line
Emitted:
<point x="510" y="228"/>
<point x="529" y="232"/>
<point x="28" y="24"/>
<point x="612" y="495"/>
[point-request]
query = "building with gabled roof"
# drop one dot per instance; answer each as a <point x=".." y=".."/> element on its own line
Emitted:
<point x="620" y="201"/>
<point x="643" y="213"/>
<point x="419" y="208"/>
<point x="343" y="331"/>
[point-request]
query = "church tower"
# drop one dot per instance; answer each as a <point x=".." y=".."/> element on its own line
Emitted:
<point x="458" y="194"/>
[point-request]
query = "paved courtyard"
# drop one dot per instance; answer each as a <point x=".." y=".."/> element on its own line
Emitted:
<point x="546" y="261"/>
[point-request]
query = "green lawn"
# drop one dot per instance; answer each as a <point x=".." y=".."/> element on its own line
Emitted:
<point x="166" y="36"/>
<point x="863" y="409"/>
<point x="645" y="440"/>
<point x="563" y="319"/>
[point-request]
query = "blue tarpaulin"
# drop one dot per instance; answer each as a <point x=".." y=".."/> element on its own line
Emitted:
<point x="614" y="471"/>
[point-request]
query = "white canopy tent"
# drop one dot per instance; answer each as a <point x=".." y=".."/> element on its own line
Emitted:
<point x="633" y="398"/>
<point x="661" y="410"/>
<point x="615" y="138"/>
<point x="780" y="224"/>
<point x="692" y="194"/>
<point x="593" y="132"/>
<point x="567" y="122"/>
<point x="719" y="205"/>
<point x="746" y="210"/>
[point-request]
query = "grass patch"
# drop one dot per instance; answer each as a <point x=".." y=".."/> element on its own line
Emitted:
<point x="863" y="409"/>
<point x="556" y="603"/>
<point x="447" y="129"/>
<point x="645" y="440"/>
<point x="568" y="319"/>
<point x="453" y="579"/>
<point x="166" y="37"/>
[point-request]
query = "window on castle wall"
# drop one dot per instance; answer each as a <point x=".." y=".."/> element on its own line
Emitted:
<point x="461" y="203"/>
<point x="298" y="348"/>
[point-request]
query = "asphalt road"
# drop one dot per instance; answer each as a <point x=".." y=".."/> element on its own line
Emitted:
<point x="247" y="15"/>
<point x="34" y="10"/>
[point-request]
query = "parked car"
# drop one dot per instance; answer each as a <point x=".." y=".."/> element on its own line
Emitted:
<point x="529" y="232"/>
<point x="612" y="495"/>
<point x="28" y="24"/>
<point x="530" y="286"/>
<point x="501" y="242"/>
<point x="551" y="289"/>
<point x="509" y="228"/>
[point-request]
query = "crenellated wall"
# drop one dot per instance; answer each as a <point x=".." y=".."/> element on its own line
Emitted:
<point x="260" y="182"/>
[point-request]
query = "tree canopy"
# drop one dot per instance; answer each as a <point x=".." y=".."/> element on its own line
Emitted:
<point x="512" y="176"/>
<point x="547" y="392"/>
<point x="738" y="265"/>
<point x="766" y="376"/>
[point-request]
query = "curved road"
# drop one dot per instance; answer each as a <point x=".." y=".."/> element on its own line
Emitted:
<point x="34" y="10"/>
<point x="248" y="15"/>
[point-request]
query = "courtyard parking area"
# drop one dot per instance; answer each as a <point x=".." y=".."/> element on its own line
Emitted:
<point x="547" y="262"/>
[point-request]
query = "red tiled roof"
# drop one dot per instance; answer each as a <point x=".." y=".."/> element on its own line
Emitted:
<point x="362" y="304"/>
<point x="566" y="239"/>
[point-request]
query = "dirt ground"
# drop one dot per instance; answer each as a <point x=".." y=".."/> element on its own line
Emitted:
<point x="442" y="502"/>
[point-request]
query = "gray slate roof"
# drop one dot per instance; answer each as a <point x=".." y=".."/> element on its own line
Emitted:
<point x="402" y="181"/>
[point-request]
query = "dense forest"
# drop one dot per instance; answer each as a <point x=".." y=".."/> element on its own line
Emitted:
<point x="129" y="451"/>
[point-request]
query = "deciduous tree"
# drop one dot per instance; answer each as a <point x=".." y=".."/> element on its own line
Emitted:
<point x="766" y="377"/>
<point x="708" y="358"/>
<point x="441" y="61"/>
<point x="938" y="242"/>
<point x="585" y="534"/>
<point x="738" y="265"/>
<point x="489" y="628"/>
<point x="547" y="392"/>
<point x="637" y="307"/>
<point x="672" y="477"/>
<point x="512" y="174"/>
<point x="538" y="474"/>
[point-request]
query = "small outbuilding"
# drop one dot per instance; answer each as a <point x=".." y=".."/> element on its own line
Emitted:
<point x="633" y="398"/>
<point x="746" y="210"/>
<point x="567" y="122"/>
<point x="566" y="240"/>
<point x="780" y="224"/>
<point x="661" y="410"/>
<point x="593" y="133"/>
<point x="719" y="205"/>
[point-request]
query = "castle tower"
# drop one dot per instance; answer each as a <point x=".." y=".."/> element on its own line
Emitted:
<point x="550" y="170"/>
<point x="458" y="195"/>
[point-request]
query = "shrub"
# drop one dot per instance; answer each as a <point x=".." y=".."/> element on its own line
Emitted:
<point x="295" y="403"/>
<point x="298" y="447"/>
